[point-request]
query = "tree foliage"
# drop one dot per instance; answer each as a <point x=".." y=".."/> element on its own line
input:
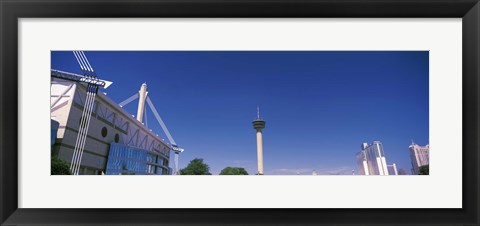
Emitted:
<point x="423" y="170"/>
<point x="59" y="167"/>
<point x="196" y="167"/>
<point x="233" y="171"/>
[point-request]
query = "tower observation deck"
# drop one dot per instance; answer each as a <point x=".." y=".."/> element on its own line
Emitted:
<point x="258" y="124"/>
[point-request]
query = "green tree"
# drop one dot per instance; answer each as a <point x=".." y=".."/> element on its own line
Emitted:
<point x="233" y="171"/>
<point x="59" y="167"/>
<point x="423" y="170"/>
<point x="196" y="167"/>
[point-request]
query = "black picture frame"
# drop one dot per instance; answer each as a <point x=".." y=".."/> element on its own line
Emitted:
<point x="11" y="11"/>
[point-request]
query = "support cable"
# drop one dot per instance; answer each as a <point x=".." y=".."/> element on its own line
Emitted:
<point x="89" y="115"/>
<point x="77" y="142"/>
<point x="80" y="133"/>
<point x="83" y="61"/>
<point x="78" y="60"/>
<point x="128" y="100"/>
<point x="88" y="63"/>
<point x="91" y="92"/>
<point x="160" y="121"/>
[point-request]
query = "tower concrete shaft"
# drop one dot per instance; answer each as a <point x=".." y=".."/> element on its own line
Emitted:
<point x="259" y="124"/>
<point x="141" y="102"/>
<point x="260" y="151"/>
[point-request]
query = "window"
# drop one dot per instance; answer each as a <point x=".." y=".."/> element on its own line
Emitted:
<point x="104" y="131"/>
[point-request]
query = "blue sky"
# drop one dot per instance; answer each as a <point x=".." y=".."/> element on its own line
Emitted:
<point x="319" y="106"/>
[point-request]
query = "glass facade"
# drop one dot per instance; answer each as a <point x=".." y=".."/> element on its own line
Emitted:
<point x="126" y="160"/>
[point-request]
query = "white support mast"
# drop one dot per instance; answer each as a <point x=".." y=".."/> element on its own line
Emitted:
<point x="141" y="111"/>
<point x="141" y="102"/>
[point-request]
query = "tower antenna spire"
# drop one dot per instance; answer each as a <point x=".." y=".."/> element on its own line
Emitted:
<point x="258" y="112"/>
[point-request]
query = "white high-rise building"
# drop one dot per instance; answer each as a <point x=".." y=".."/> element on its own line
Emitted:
<point x="392" y="169"/>
<point x="362" y="163"/>
<point x="371" y="159"/>
<point x="420" y="156"/>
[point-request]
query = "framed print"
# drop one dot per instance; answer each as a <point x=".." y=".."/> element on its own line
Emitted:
<point x="345" y="112"/>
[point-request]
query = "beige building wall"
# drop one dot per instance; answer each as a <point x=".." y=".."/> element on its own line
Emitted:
<point x="109" y="123"/>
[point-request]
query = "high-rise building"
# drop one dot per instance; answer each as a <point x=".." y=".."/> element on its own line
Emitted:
<point x="392" y="169"/>
<point x="420" y="156"/>
<point x="371" y="159"/>
<point x="362" y="163"/>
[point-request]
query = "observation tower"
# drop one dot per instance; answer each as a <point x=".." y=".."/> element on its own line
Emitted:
<point x="259" y="124"/>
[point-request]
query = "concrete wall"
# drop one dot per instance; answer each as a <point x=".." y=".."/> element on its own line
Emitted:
<point x="106" y="116"/>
